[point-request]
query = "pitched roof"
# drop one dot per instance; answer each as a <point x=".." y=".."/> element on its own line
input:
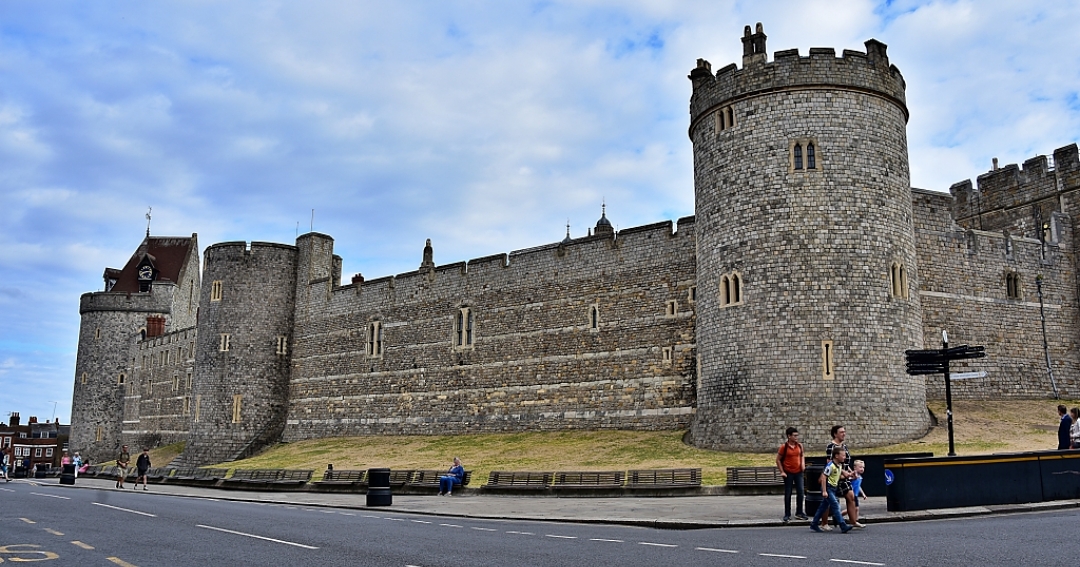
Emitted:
<point x="168" y="255"/>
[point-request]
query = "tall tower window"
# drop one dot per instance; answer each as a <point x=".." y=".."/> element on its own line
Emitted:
<point x="236" y="402"/>
<point x="83" y="378"/>
<point x="594" y="318"/>
<point x="898" y="281"/>
<point x="282" y="346"/>
<point x="730" y="289"/>
<point x="375" y="336"/>
<point x="1012" y="285"/>
<point x="226" y="342"/>
<point x="803" y="155"/>
<point x="463" y="327"/>
<point x="828" y="363"/>
<point x="672" y="308"/>
<point x="215" y="291"/>
<point x="120" y="379"/>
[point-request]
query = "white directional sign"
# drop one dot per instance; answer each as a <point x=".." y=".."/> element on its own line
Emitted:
<point x="966" y="375"/>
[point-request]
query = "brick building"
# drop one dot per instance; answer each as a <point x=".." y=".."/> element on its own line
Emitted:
<point x="42" y="442"/>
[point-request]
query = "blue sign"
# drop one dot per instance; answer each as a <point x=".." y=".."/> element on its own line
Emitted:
<point x="888" y="477"/>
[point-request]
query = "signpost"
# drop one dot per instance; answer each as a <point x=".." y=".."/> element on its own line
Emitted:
<point x="937" y="362"/>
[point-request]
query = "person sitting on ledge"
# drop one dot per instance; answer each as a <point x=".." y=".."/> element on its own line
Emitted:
<point x="454" y="476"/>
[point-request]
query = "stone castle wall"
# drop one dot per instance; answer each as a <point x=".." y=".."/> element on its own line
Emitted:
<point x="535" y="361"/>
<point x="157" y="401"/>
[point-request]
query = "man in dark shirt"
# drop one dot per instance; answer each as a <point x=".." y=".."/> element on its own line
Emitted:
<point x="1063" y="427"/>
<point x="142" y="464"/>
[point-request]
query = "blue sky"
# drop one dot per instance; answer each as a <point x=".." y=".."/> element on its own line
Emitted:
<point x="484" y="126"/>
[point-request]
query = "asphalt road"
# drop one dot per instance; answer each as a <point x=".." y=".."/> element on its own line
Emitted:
<point x="100" y="527"/>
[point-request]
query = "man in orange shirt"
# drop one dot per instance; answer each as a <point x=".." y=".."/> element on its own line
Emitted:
<point x="792" y="462"/>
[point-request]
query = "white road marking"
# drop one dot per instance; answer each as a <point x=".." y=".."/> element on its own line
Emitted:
<point x="450" y="525"/>
<point x="419" y="522"/>
<point x="123" y="509"/>
<point x="366" y="516"/>
<point x="53" y="532"/>
<point x="82" y="545"/>
<point x="484" y="529"/>
<point x="855" y="562"/>
<point x="610" y="540"/>
<point x="50" y="495"/>
<point x="713" y="549"/>
<point x="346" y="513"/>
<point x="7" y="490"/>
<point x="119" y="562"/>
<point x="27" y="520"/>
<point x="521" y="533"/>
<point x="256" y="536"/>
<point x="396" y="519"/>
<point x="784" y="556"/>
<point x="657" y="544"/>
<point x="562" y="536"/>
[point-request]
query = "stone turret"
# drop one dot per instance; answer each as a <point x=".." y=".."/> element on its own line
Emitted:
<point x="804" y="220"/>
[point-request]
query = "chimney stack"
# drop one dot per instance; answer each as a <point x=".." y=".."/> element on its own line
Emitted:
<point x="14" y="421"/>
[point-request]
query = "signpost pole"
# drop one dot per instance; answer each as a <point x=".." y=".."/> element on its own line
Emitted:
<point x="948" y="393"/>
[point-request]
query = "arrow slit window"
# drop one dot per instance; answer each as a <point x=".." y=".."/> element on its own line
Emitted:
<point x="898" y="284"/>
<point x="1012" y="285"/>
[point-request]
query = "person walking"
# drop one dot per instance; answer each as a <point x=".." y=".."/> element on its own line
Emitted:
<point x="1074" y="431"/>
<point x="839" y="436"/>
<point x="122" y="461"/>
<point x="830" y="481"/>
<point x="5" y="462"/>
<point x="142" y="464"/>
<point x="455" y="476"/>
<point x="1064" y="428"/>
<point x="77" y="461"/>
<point x="791" y="461"/>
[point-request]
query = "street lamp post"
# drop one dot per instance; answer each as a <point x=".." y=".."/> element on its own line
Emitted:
<point x="1046" y="346"/>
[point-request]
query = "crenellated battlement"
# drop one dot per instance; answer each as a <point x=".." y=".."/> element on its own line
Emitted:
<point x="157" y="301"/>
<point x="868" y="72"/>
<point x="988" y="203"/>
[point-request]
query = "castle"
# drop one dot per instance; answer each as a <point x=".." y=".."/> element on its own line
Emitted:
<point x="810" y="265"/>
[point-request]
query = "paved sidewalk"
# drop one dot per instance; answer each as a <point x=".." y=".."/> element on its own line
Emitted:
<point x="676" y="512"/>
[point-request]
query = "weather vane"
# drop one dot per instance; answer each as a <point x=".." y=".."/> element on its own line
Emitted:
<point x="148" y="211"/>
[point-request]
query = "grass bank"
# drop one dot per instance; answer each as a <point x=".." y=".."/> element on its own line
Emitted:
<point x="980" y="428"/>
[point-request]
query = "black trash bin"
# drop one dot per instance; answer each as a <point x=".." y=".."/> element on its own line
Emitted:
<point x="67" y="475"/>
<point x="41" y="472"/>
<point x="812" y="484"/>
<point x="378" y="493"/>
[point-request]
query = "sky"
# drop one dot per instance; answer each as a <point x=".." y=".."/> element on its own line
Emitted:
<point x="486" y="126"/>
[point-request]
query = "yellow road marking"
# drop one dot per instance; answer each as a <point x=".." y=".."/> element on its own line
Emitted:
<point x="53" y="532"/>
<point x="82" y="545"/>
<point x="10" y="549"/>
<point x="119" y="562"/>
<point x="27" y="520"/>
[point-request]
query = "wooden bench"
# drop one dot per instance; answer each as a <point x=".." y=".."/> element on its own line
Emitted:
<point x="197" y="475"/>
<point x="588" y="479"/>
<point x="754" y="476"/>
<point x="430" y="478"/>
<point x="267" y="477"/>
<point x="399" y="478"/>
<point x="663" y="478"/>
<point x="344" y="477"/>
<point x="519" y="480"/>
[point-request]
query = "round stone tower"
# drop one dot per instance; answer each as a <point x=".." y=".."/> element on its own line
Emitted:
<point x="806" y="253"/>
<point x="241" y="383"/>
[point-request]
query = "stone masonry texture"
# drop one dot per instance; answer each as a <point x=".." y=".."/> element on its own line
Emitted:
<point x="632" y="330"/>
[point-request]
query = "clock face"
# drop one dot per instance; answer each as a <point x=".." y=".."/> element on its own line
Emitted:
<point x="146" y="273"/>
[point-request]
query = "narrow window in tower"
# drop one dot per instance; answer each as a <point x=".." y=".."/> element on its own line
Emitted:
<point x="282" y="346"/>
<point x="189" y="382"/>
<point x="142" y="334"/>
<point x="725" y="291"/>
<point x="187" y="405"/>
<point x="719" y="122"/>
<point x="225" y="343"/>
<point x="149" y="389"/>
<point x="236" y="400"/>
<point x="729" y="115"/>
<point x="811" y="159"/>
<point x="198" y="402"/>
<point x="176" y="383"/>
<point x="903" y="282"/>
<point x="97" y="334"/>
<point x="672" y="308"/>
<point x="736" y="288"/>
<point x="215" y="291"/>
<point x="1012" y="285"/>
<point x="83" y="377"/>
<point x="827" y="363"/>
<point x="120" y="379"/>
<point x="665" y="354"/>
<point x="797" y="152"/>
<point x="168" y="355"/>
<point x="463" y="327"/>
<point x="692" y="294"/>
<point x="594" y="318"/>
<point x="374" y="346"/>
